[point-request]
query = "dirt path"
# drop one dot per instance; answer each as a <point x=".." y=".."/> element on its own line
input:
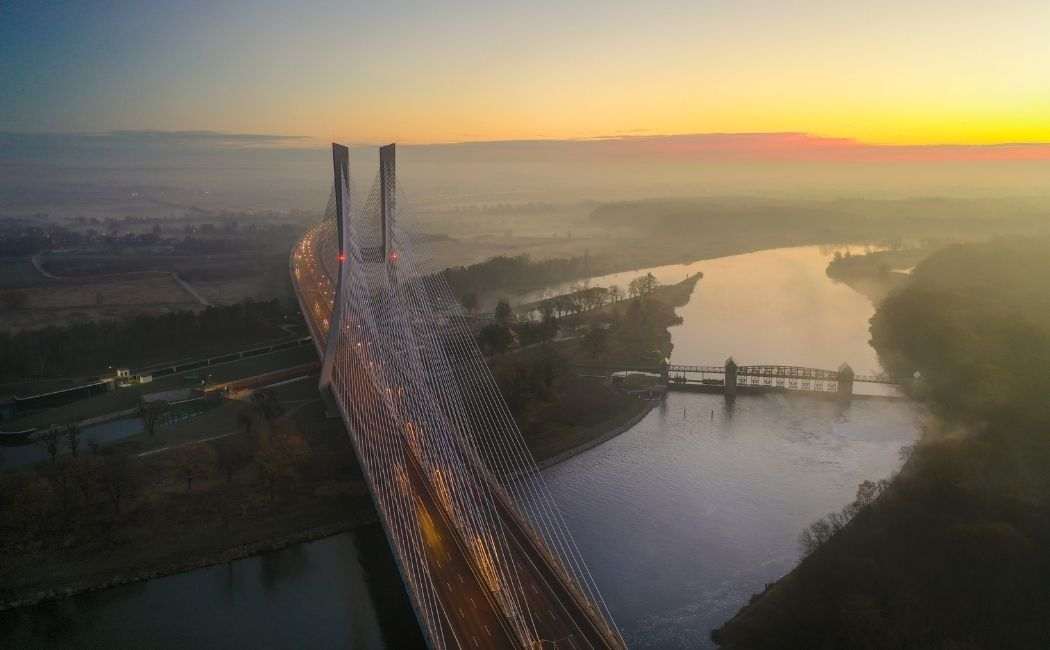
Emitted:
<point x="40" y="267"/>
<point x="186" y="286"/>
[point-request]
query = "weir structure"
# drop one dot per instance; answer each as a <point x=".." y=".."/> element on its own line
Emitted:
<point x="732" y="379"/>
<point x="482" y="548"/>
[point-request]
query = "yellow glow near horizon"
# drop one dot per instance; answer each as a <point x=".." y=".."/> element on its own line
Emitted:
<point x="878" y="71"/>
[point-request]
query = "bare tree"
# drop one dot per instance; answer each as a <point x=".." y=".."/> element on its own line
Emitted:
<point x="230" y="455"/>
<point x="470" y="302"/>
<point x="245" y="419"/>
<point x="276" y="461"/>
<point x="64" y="477"/>
<point x="32" y="503"/>
<point x="267" y="403"/>
<point x="504" y="314"/>
<point x="151" y="413"/>
<point x="116" y="477"/>
<point x="194" y="461"/>
<point x="72" y="433"/>
<point x="49" y="440"/>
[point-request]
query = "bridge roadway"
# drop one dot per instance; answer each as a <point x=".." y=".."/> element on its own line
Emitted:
<point x="473" y="618"/>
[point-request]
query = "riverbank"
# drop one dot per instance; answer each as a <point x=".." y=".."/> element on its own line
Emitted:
<point x="562" y="412"/>
<point x="600" y="435"/>
<point x="877" y="274"/>
<point x="950" y="553"/>
<point x="211" y="497"/>
<point x="224" y="556"/>
<point x="122" y="515"/>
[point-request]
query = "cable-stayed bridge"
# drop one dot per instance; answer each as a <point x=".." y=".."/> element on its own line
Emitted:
<point x="482" y="548"/>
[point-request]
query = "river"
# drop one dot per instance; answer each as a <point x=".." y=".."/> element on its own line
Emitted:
<point x="681" y="518"/>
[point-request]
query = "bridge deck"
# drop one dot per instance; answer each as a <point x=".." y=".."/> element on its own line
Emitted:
<point x="471" y="617"/>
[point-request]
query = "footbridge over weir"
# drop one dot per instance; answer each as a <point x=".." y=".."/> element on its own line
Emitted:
<point x="731" y="379"/>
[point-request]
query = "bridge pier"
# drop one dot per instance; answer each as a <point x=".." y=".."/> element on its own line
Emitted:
<point x="845" y="379"/>
<point x="730" y="381"/>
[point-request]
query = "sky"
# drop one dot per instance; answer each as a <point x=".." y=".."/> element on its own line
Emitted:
<point x="893" y="74"/>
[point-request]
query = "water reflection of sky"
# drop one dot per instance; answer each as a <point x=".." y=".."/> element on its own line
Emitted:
<point x="686" y="515"/>
<point x="340" y="592"/>
<point x="769" y="307"/>
<point x="700" y="505"/>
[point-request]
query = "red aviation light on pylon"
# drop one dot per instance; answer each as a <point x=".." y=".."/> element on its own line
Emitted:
<point x="393" y="256"/>
<point x="342" y="257"/>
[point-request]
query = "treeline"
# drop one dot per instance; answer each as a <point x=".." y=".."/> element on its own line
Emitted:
<point x="17" y="240"/>
<point x="517" y="273"/>
<point x="59" y="517"/>
<point x="820" y="221"/>
<point x="952" y="553"/>
<point x="848" y="266"/>
<point x="90" y="347"/>
<point x="975" y="323"/>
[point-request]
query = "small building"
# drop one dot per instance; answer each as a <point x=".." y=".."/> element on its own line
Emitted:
<point x="125" y="379"/>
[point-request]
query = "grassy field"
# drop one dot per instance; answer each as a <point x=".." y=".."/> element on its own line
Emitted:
<point x="19" y="272"/>
<point x="59" y="302"/>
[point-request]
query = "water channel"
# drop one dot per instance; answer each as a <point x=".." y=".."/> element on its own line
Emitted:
<point x="681" y="518"/>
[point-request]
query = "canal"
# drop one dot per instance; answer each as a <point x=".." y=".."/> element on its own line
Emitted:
<point x="681" y="518"/>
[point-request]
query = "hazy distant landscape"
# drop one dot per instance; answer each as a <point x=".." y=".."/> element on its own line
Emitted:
<point x="667" y="326"/>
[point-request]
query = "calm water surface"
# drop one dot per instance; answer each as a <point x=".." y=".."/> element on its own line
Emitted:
<point x="339" y="592"/>
<point x="686" y="515"/>
<point x="681" y="518"/>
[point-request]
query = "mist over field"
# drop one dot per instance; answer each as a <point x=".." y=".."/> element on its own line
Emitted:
<point x="154" y="172"/>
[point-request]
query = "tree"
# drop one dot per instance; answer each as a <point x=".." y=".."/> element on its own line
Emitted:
<point x="117" y="478"/>
<point x="151" y="412"/>
<point x="495" y="338"/>
<point x="867" y="492"/>
<point x="63" y="476"/>
<point x="32" y="503"/>
<point x="549" y="366"/>
<point x="649" y="283"/>
<point x="267" y="403"/>
<point x="470" y="301"/>
<point x="504" y="314"/>
<point x="643" y="285"/>
<point x="231" y="454"/>
<point x="72" y="433"/>
<point x="193" y="461"/>
<point x="50" y="440"/>
<point x="634" y="287"/>
<point x="596" y="341"/>
<point x="549" y="322"/>
<point x="277" y="460"/>
<point x="245" y="420"/>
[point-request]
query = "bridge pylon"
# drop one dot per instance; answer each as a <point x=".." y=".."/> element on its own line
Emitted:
<point x="341" y="187"/>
